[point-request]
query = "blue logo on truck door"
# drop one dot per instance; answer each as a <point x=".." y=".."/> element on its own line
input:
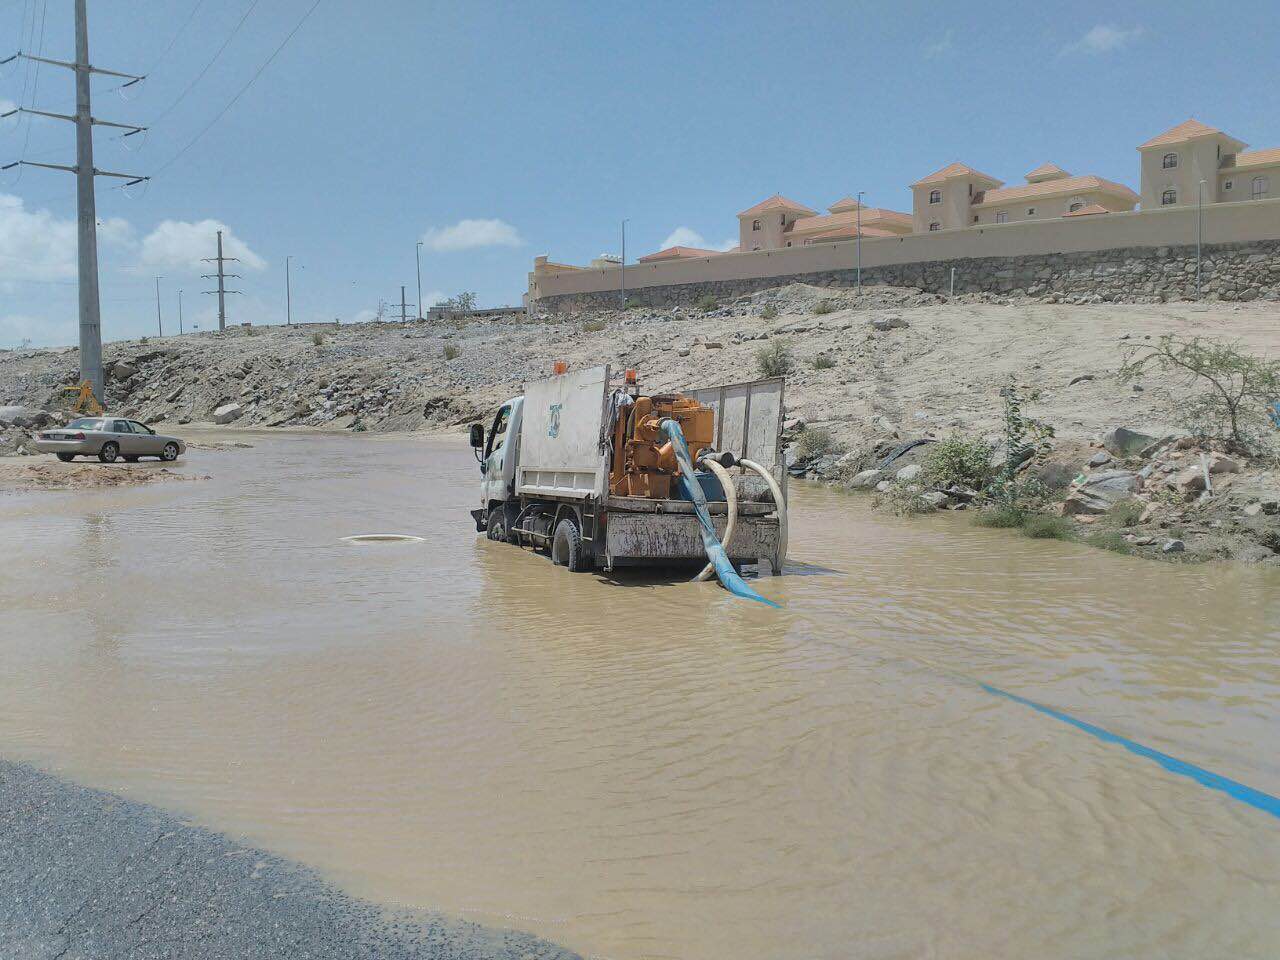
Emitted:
<point x="553" y="423"/>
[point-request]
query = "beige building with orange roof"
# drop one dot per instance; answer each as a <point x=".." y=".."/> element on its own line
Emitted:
<point x="961" y="203"/>
<point x="1176" y="162"/>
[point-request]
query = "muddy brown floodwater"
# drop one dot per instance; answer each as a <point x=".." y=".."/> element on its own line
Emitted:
<point x="650" y="768"/>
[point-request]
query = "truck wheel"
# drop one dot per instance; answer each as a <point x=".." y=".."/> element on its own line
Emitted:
<point x="566" y="547"/>
<point x="497" y="529"/>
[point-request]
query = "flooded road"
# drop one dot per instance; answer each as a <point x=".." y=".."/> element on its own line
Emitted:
<point x="652" y="769"/>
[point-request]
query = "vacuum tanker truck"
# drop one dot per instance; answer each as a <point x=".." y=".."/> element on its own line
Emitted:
<point x="581" y="466"/>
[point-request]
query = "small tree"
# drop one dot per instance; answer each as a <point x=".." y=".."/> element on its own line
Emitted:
<point x="1238" y="389"/>
<point x="1026" y="441"/>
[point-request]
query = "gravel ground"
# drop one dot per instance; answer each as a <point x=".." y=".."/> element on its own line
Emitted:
<point x="87" y="875"/>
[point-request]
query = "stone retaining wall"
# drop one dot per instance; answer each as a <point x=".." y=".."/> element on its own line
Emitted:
<point x="1229" y="271"/>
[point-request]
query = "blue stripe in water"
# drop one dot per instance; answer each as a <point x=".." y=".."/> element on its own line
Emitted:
<point x="1232" y="788"/>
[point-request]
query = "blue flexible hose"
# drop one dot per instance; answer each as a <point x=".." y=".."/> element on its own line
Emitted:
<point x="693" y="490"/>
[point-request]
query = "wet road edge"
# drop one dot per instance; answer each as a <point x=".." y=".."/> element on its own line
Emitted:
<point x="87" y="874"/>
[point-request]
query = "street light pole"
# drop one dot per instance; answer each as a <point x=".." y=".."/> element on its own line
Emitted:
<point x="1199" y="235"/>
<point x="159" y="323"/>
<point x="288" y="293"/>
<point x="417" y="256"/>
<point x="857" y="240"/>
<point x="180" y="330"/>
<point x="624" y="264"/>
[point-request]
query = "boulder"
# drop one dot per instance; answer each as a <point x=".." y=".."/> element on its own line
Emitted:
<point x="1100" y="492"/>
<point x="1100" y="459"/>
<point x="888" y="323"/>
<point x="909" y="473"/>
<point x="935" y="498"/>
<point x="227" y="412"/>
<point x="1173" y="546"/>
<point x="29" y="418"/>
<point x="1220" y="464"/>
<point x="122" y="371"/>
<point x="1123" y="442"/>
<point x="866" y="479"/>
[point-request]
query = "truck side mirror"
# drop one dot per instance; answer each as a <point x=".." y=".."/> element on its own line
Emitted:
<point x="477" y="435"/>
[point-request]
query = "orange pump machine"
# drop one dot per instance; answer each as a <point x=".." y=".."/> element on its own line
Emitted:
<point x="644" y="461"/>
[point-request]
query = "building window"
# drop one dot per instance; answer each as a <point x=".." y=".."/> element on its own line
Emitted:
<point x="1031" y="211"/>
<point x="1259" y="188"/>
<point x="975" y="218"/>
<point x="783" y="219"/>
<point x="755" y="224"/>
<point x="935" y="196"/>
<point x="754" y="249"/>
<point x="1226" y="185"/>
<point x="935" y="226"/>
<point x="1002" y="216"/>
<point x="1168" y="198"/>
<point x="1170" y="161"/>
<point x="1075" y="205"/>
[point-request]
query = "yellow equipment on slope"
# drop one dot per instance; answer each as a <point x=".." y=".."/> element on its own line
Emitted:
<point x="86" y="402"/>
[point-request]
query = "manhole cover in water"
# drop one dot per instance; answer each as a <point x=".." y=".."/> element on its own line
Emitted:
<point x="382" y="538"/>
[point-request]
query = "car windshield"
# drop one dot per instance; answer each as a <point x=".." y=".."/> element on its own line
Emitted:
<point x="85" y="423"/>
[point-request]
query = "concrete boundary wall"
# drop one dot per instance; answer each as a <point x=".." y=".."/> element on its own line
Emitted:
<point x="1133" y="255"/>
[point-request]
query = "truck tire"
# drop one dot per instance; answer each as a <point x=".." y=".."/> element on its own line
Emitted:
<point x="567" y="549"/>
<point x="497" y="529"/>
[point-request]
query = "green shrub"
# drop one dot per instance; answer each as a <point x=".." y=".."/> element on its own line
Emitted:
<point x="1044" y="526"/>
<point x="632" y="304"/>
<point x="317" y="339"/>
<point x="1109" y="540"/>
<point x="774" y="360"/>
<point x="593" y="326"/>
<point x="450" y="351"/>
<point x="815" y="442"/>
<point x="1001" y="516"/>
<point x="823" y="307"/>
<point x="824" y="361"/>
<point x="769" y="312"/>
<point x="905" y="500"/>
<point x="958" y="461"/>
<point x="1126" y="513"/>
<point x="706" y="303"/>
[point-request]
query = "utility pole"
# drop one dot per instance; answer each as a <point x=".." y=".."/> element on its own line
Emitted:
<point x="221" y="276"/>
<point x="159" y="322"/>
<point x="404" y="307"/>
<point x="417" y="254"/>
<point x="180" y="330"/>
<point x="1199" y="235"/>
<point x="288" y="294"/>
<point x="624" y="264"/>
<point x="86" y="203"/>
<point x="857" y="240"/>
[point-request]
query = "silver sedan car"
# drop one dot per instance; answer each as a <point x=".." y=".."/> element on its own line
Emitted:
<point x="109" y="439"/>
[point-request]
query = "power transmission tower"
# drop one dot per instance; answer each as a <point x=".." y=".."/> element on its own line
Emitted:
<point x="221" y="276"/>
<point x="404" y="307"/>
<point x="86" y="201"/>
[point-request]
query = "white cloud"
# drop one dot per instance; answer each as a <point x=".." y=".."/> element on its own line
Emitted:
<point x="1104" y="38"/>
<point x="470" y="234"/>
<point x="688" y="237"/>
<point x="182" y="245"/>
<point x="940" y="46"/>
<point x="34" y="244"/>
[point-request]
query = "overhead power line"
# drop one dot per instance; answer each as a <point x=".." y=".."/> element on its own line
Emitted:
<point x="232" y="102"/>
<point x="200" y="76"/>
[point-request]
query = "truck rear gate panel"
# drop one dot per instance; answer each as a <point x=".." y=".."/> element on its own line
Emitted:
<point x="664" y="536"/>
<point x="560" y="454"/>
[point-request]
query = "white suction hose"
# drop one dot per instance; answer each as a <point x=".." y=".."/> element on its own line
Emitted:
<point x="731" y="504"/>
<point x="781" y="503"/>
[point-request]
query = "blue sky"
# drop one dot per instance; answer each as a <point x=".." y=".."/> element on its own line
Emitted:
<point x="496" y="132"/>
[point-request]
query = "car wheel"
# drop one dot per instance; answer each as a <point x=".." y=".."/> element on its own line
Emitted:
<point x="566" y="546"/>
<point x="170" y="452"/>
<point x="109" y="453"/>
<point x="66" y="457"/>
